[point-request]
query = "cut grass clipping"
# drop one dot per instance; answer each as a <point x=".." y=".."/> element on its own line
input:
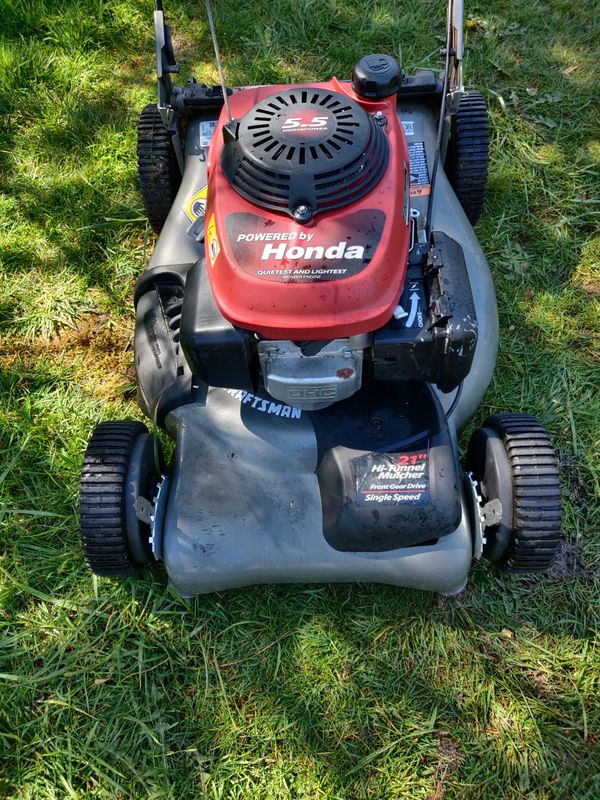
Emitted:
<point x="119" y="689"/>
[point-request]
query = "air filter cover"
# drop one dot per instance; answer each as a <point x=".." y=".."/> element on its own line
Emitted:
<point x="305" y="150"/>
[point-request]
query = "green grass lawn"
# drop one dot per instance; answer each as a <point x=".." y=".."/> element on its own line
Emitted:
<point x="122" y="690"/>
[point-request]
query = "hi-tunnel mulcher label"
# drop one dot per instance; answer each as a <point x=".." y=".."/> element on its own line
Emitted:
<point x="384" y="479"/>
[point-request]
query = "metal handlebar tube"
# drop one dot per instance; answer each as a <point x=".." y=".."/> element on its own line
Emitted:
<point x="451" y="92"/>
<point x="165" y="67"/>
<point x="455" y="82"/>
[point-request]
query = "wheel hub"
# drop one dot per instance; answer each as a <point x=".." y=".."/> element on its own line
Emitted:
<point x="157" y="518"/>
<point x="477" y="518"/>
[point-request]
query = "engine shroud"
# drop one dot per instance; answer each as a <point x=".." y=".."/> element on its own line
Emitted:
<point x="338" y="272"/>
<point x="305" y="148"/>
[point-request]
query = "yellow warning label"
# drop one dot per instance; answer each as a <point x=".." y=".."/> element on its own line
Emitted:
<point x="195" y="206"/>
<point x="213" y="246"/>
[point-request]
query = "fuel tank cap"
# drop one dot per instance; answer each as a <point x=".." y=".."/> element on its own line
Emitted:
<point x="376" y="76"/>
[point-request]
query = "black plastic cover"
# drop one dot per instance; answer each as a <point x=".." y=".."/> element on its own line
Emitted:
<point x="162" y="275"/>
<point x="437" y="342"/>
<point x="421" y="83"/>
<point x="198" y="97"/>
<point x="376" y="76"/>
<point x="218" y="353"/>
<point x="303" y="151"/>
<point x="388" y="472"/>
<point x="164" y="379"/>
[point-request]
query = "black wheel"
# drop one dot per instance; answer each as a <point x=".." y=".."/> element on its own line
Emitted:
<point x="512" y="460"/>
<point x="158" y="168"/>
<point x="467" y="156"/>
<point x="117" y="469"/>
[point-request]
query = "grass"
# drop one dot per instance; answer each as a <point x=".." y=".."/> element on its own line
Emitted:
<point x="122" y="690"/>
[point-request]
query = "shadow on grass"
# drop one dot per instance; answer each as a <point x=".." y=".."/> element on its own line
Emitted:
<point x="367" y="689"/>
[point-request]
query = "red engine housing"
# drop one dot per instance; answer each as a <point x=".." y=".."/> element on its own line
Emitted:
<point x="338" y="275"/>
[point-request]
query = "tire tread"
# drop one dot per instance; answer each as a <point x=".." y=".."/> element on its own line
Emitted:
<point x="101" y="499"/>
<point x="468" y="154"/>
<point x="536" y="492"/>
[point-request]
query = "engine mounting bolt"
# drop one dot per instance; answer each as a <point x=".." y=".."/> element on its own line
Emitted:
<point x="380" y="118"/>
<point x="303" y="213"/>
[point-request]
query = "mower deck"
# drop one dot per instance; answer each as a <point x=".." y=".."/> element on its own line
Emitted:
<point x="244" y="507"/>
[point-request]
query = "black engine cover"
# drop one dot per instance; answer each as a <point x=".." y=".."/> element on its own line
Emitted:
<point x="304" y="150"/>
<point x="438" y="343"/>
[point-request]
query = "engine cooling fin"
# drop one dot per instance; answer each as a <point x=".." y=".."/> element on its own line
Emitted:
<point x="303" y="151"/>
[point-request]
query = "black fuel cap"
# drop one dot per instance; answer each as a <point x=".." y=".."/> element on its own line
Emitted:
<point x="376" y="76"/>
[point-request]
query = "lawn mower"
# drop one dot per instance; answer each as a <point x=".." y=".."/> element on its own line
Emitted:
<point x="315" y="326"/>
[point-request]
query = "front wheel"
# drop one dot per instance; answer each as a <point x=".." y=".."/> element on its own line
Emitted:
<point x="512" y="461"/>
<point x="118" y="481"/>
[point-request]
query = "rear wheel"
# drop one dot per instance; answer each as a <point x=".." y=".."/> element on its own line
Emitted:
<point x="158" y="168"/>
<point x="118" y="469"/>
<point x="513" y="461"/>
<point x="467" y="157"/>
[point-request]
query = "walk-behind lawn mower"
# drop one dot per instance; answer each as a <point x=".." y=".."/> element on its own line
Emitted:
<point x="316" y="324"/>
